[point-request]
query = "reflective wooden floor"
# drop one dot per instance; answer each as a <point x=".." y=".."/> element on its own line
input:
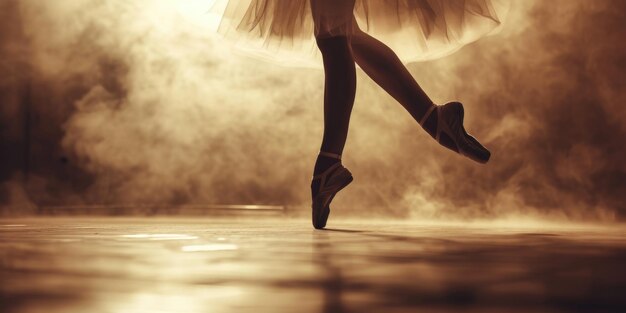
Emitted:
<point x="282" y="265"/>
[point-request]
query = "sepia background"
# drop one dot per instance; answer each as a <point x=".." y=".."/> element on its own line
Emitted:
<point x="135" y="102"/>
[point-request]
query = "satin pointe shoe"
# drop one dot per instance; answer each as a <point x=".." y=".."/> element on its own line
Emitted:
<point x="451" y="134"/>
<point x="331" y="181"/>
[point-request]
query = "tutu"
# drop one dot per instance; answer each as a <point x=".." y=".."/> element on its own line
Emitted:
<point x="417" y="30"/>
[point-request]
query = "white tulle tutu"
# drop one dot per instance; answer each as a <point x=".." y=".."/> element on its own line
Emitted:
<point x="284" y="31"/>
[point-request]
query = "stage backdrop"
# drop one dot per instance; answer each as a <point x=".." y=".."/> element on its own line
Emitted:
<point x="122" y="102"/>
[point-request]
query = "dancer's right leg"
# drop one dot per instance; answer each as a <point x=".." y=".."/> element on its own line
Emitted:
<point x="382" y="64"/>
<point x="444" y="123"/>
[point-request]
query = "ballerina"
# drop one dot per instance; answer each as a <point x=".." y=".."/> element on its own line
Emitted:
<point x="422" y="29"/>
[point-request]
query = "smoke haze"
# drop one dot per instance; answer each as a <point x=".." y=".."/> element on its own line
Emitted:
<point x="140" y="102"/>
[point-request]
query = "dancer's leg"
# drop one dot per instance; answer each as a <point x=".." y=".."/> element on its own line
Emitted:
<point x="340" y="73"/>
<point x="332" y="22"/>
<point x="339" y="92"/>
<point x="385" y="68"/>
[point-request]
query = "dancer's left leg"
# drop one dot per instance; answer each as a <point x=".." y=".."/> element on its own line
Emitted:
<point x="332" y="20"/>
<point x="339" y="93"/>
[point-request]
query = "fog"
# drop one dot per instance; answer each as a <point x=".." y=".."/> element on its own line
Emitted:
<point x="108" y="102"/>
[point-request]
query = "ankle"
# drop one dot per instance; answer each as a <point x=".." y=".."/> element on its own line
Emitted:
<point x="325" y="160"/>
<point x="429" y="121"/>
<point x="323" y="163"/>
<point x="430" y="126"/>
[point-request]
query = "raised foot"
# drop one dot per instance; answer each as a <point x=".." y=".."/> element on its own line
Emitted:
<point x="451" y="133"/>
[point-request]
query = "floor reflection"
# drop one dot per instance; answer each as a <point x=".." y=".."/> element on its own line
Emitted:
<point x="209" y="247"/>
<point x="228" y="265"/>
<point x="331" y="281"/>
<point x="160" y="236"/>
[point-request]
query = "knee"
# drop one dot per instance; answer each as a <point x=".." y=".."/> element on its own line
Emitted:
<point x="332" y="44"/>
<point x="346" y="31"/>
<point x="333" y="18"/>
<point x="332" y="30"/>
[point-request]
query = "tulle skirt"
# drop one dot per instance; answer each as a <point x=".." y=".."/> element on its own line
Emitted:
<point x="284" y="31"/>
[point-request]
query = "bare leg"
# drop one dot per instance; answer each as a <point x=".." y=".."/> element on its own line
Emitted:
<point x="339" y="91"/>
<point x="340" y="73"/>
<point x="386" y="69"/>
<point x="382" y="64"/>
<point x="332" y="22"/>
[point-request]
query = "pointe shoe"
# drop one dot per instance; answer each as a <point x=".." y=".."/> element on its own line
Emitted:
<point x="332" y="180"/>
<point x="451" y="134"/>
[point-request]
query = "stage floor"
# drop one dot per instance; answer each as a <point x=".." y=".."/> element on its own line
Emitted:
<point x="282" y="265"/>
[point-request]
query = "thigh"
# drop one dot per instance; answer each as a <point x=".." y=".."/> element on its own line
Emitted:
<point x="333" y="17"/>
